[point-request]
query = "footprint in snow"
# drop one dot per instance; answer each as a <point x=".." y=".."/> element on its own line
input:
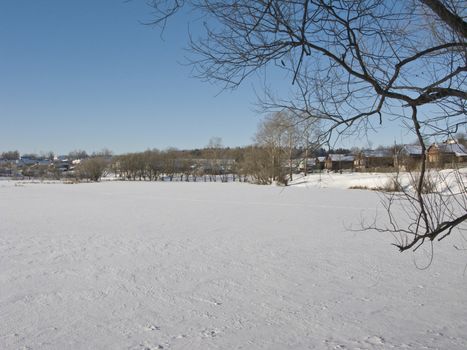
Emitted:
<point x="375" y="340"/>
<point x="180" y="336"/>
<point x="210" y="333"/>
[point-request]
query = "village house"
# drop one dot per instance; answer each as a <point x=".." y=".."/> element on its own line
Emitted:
<point x="320" y="162"/>
<point x="374" y="159"/>
<point x="408" y="157"/>
<point x="338" y="162"/>
<point x="448" y="153"/>
<point x="307" y="165"/>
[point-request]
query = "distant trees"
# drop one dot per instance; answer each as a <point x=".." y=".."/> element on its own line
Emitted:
<point x="212" y="161"/>
<point x="133" y="166"/>
<point x="257" y="165"/>
<point x="77" y="154"/>
<point x="92" y="168"/>
<point x="105" y="153"/>
<point x="170" y="164"/>
<point x="47" y="155"/>
<point x="218" y="162"/>
<point x="309" y="132"/>
<point x="10" y="155"/>
<point x="153" y="164"/>
<point x="280" y="146"/>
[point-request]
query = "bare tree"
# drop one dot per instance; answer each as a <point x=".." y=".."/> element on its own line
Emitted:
<point x="154" y="164"/>
<point x="215" y="154"/>
<point x="47" y="155"/>
<point x="353" y="63"/>
<point x="256" y="166"/>
<point x="93" y="168"/>
<point x="169" y="162"/>
<point x="308" y="137"/>
<point x="279" y="136"/>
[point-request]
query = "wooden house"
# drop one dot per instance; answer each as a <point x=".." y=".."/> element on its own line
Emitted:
<point x="338" y="162"/>
<point x="408" y="157"/>
<point x="307" y="165"/>
<point x="374" y="159"/>
<point x="445" y="154"/>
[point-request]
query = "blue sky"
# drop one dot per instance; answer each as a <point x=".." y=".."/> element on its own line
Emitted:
<point x="88" y="75"/>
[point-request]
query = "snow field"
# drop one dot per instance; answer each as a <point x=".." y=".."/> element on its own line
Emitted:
<point x="122" y="265"/>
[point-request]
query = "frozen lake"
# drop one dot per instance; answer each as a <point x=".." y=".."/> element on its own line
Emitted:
<point x="122" y="265"/>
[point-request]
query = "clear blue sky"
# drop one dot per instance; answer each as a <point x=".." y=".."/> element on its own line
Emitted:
<point x="87" y="75"/>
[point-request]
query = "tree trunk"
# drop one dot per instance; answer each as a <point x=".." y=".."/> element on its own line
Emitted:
<point x="452" y="20"/>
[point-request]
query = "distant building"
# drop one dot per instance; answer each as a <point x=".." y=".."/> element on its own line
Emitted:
<point x="408" y="157"/>
<point x="337" y="162"/>
<point x="448" y="153"/>
<point x="374" y="159"/>
<point x="26" y="161"/>
<point x="308" y="164"/>
<point x="320" y="162"/>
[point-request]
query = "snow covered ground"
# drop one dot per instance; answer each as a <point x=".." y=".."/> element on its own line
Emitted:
<point x="444" y="180"/>
<point x="121" y="265"/>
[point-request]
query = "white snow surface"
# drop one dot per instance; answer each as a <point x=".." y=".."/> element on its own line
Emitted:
<point x="445" y="181"/>
<point x="140" y="265"/>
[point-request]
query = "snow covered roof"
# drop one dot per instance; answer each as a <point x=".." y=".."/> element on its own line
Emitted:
<point x="454" y="148"/>
<point x="341" y="158"/>
<point x="377" y="153"/>
<point x="309" y="162"/>
<point x="26" y="161"/>
<point x="412" y="149"/>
